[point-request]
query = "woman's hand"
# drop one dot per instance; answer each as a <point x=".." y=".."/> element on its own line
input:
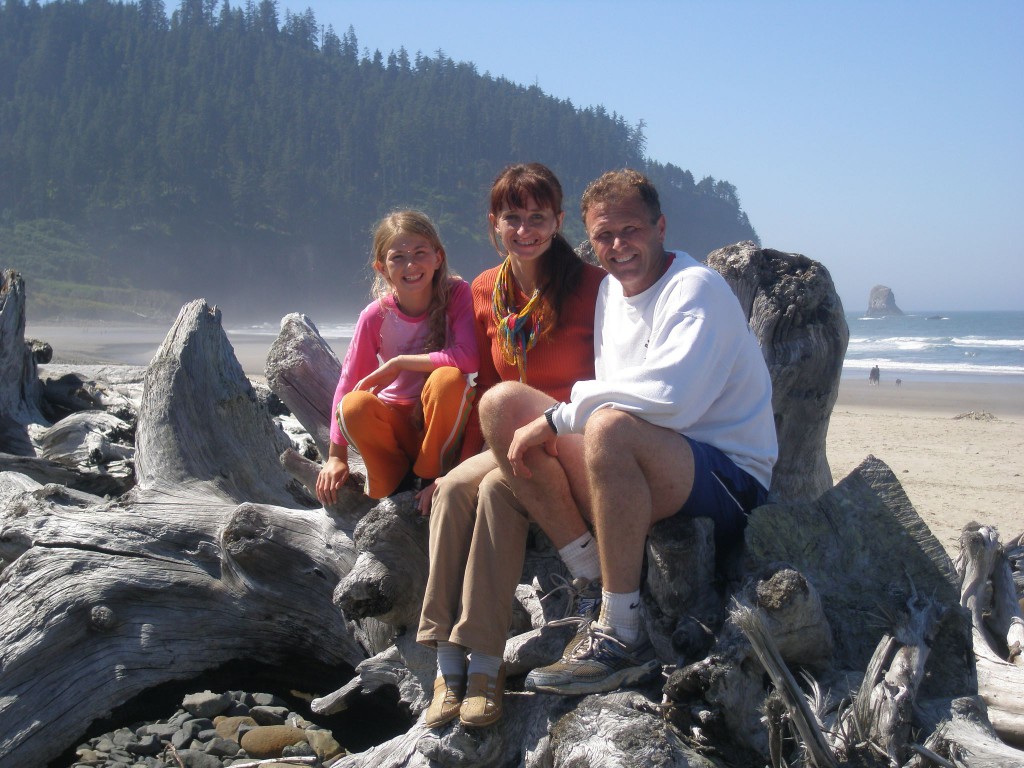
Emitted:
<point x="331" y="478"/>
<point x="425" y="497"/>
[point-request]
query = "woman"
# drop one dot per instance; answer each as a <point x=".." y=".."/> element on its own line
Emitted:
<point x="535" y="324"/>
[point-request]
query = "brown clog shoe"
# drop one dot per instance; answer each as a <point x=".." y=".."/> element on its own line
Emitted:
<point x="444" y="707"/>
<point x="482" y="705"/>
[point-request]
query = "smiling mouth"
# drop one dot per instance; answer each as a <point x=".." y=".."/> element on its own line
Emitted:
<point x="412" y="279"/>
<point x="623" y="259"/>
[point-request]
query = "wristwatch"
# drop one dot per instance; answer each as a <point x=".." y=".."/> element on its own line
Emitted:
<point x="549" y="415"/>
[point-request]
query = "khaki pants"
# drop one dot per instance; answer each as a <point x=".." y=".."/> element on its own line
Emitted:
<point x="477" y="546"/>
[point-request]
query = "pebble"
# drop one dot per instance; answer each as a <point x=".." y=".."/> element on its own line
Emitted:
<point x="208" y="731"/>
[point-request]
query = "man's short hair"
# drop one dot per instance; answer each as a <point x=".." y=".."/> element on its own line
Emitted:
<point x="615" y="186"/>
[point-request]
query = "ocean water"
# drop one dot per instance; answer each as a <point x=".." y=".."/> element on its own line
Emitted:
<point x="938" y="346"/>
<point x="327" y="330"/>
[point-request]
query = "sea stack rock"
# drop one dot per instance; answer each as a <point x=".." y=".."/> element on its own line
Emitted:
<point x="881" y="302"/>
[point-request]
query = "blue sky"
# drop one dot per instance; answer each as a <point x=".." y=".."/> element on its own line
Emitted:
<point x="883" y="139"/>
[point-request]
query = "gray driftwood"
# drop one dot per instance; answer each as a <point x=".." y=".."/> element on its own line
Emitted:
<point x="19" y="386"/>
<point x="794" y="310"/>
<point x="198" y="565"/>
<point x="997" y="627"/>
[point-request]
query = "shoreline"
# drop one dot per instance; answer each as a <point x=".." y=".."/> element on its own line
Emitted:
<point x="953" y="470"/>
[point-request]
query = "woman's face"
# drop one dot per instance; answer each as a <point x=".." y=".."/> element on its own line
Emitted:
<point x="526" y="233"/>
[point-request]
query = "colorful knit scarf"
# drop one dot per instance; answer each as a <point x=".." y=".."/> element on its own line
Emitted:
<point x="517" y="331"/>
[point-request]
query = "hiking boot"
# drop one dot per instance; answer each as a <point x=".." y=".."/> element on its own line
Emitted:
<point x="444" y="707"/>
<point x="600" y="663"/>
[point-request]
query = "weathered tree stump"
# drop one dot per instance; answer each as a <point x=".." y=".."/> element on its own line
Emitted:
<point x="19" y="387"/>
<point x="796" y="315"/>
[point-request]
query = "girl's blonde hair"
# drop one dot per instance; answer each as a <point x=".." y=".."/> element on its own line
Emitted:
<point x="414" y="223"/>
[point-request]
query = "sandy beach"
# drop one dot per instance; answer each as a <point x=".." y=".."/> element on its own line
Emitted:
<point x="954" y="470"/>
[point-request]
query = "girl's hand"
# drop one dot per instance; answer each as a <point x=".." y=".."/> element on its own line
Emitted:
<point x="425" y="498"/>
<point x="380" y="378"/>
<point x="331" y="478"/>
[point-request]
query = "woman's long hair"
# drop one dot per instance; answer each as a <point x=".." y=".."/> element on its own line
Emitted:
<point x="414" y="223"/>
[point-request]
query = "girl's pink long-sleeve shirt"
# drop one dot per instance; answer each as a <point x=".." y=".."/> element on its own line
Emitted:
<point x="384" y="331"/>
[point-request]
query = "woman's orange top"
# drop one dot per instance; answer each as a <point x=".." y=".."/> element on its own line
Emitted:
<point x="556" y="362"/>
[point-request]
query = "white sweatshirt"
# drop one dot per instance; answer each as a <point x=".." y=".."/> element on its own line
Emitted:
<point x="681" y="356"/>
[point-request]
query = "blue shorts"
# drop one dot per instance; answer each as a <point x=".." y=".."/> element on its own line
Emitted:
<point x="721" y="491"/>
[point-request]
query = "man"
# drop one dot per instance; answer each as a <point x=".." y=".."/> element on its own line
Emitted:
<point x="677" y="421"/>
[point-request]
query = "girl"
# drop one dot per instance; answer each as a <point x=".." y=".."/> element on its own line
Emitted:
<point x="535" y="323"/>
<point x="414" y="347"/>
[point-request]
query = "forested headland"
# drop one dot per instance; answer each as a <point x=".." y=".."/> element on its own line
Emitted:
<point x="150" y="155"/>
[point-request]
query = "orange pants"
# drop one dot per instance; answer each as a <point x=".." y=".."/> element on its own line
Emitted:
<point x="390" y="443"/>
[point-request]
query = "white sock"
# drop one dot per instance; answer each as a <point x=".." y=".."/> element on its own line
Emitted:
<point x="620" y="612"/>
<point x="482" y="662"/>
<point x="580" y="557"/>
<point x="451" y="659"/>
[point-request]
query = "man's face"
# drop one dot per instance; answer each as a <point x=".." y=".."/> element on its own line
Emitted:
<point x="627" y="243"/>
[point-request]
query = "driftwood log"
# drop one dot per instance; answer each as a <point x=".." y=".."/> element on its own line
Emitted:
<point x="795" y="313"/>
<point x="199" y="564"/>
<point x="221" y="527"/>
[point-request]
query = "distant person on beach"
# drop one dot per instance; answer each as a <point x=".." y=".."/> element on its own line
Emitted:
<point x="677" y="422"/>
<point x="535" y="322"/>
<point x="406" y="384"/>
<point x="874" y="375"/>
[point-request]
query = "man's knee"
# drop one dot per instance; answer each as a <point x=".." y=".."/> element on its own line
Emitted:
<point x="609" y="432"/>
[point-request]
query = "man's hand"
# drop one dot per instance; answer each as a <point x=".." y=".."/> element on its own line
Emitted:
<point x="537" y="432"/>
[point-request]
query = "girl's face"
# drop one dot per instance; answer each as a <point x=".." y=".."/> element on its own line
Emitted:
<point x="409" y="266"/>
<point x="526" y="232"/>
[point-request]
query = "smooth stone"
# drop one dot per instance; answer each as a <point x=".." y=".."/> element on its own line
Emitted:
<point x="123" y="736"/>
<point x="269" y="740"/>
<point x="182" y="738"/>
<point x="323" y="743"/>
<point x="268" y="715"/>
<point x="160" y="730"/>
<point x="193" y="758"/>
<point x="147" y="745"/>
<point x="298" y="750"/>
<point x="206" y="704"/>
<point x="222" y="747"/>
<point x="266" y="700"/>
<point x="227" y="727"/>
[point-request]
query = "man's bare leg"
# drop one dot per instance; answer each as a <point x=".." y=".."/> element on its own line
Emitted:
<point x="556" y="494"/>
<point x="638" y="474"/>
